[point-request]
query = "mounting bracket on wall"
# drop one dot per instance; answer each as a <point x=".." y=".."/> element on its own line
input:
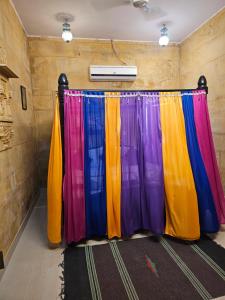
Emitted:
<point x="6" y="120"/>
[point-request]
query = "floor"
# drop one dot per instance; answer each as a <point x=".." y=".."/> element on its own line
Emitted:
<point x="33" y="272"/>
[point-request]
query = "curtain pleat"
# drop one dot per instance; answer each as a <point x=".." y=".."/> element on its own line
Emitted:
<point x="54" y="190"/>
<point x="182" y="219"/>
<point x="207" y="212"/>
<point x="94" y="170"/>
<point x="205" y="140"/>
<point x="73" y="187"/>
<point x="113" y="163"/>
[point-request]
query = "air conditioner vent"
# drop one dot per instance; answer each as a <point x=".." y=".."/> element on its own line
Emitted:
<point x="112" y="73"/>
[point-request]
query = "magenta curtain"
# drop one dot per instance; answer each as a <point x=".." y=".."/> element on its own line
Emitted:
<point x="73" y="187"/>
<point x="205" y="140"/>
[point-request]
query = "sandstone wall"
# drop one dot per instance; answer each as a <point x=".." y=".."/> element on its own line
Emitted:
<point x="204" y="53"/>
<point x="18" y="167"/>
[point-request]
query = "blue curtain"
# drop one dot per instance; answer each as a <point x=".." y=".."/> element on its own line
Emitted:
<point x="94" y="164"/>
<point x="207" y="213"/>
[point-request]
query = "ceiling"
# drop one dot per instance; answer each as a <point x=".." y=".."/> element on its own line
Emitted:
<point x="116" y="19"/>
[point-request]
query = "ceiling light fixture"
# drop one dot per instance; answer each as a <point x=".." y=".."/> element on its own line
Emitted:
<point x="164" y="38"/>
<point x="67" y="35"/>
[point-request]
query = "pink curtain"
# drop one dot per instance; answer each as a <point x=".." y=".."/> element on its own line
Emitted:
<point x="73" y="187"/>
<point x="205" y="140"/>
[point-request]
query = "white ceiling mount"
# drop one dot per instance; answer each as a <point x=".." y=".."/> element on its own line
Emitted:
<point x="64" y="17"/>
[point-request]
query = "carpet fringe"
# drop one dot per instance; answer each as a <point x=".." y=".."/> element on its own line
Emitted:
<point x="62" y="294"/>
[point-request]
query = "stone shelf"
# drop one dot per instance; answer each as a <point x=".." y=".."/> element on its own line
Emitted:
<point x="7" y="72"/>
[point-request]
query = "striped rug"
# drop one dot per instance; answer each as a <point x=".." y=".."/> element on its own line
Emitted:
<point x="145" y="268"/>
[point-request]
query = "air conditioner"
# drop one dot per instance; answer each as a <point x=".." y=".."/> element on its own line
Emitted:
<point x="112" y="73"/>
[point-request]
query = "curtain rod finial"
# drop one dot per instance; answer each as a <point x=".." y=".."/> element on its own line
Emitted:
<point x="63" y="79"/>
<point x="202" y="83"/>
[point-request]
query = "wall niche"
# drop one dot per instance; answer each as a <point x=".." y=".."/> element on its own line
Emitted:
<point x="6" y="119"/>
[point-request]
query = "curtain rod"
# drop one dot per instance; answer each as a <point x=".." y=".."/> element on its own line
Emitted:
<point x="149" y="94"/>
<point x="63" y="84"/>
<point x="134" y="91"/>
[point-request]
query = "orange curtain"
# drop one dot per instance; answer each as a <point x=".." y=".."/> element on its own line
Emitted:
<point x="182" y="218"/>
<point x="113" y="164"/>
<point x="55" y="181"/>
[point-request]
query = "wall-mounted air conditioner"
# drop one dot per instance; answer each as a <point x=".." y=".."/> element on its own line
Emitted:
<point x="112" y="73"/>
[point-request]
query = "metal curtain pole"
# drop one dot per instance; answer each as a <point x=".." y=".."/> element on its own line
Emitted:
<point x="63" y="84"/>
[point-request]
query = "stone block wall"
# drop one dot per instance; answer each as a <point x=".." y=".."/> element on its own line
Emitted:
<point x="18" y="165"/>
<point x="204" y="53"/>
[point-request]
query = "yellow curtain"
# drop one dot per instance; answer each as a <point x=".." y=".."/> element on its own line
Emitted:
<point x="55" y="181"/>
<point x="182" y="219"/>
<point x="113" y="165"/>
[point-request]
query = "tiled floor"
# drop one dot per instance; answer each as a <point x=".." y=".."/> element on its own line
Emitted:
<point x="33" y="272"/>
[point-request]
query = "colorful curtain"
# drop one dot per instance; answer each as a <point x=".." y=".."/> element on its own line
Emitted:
<point x="152" y="187"/>
<point x="142" y="201"/>
<point x="113" y="163"/>
<point x="94" y="163"/>
<point x="54" y="191"/>
<point x="74" y="200"/>
<point x="182" y="219"/>
<point x="205" y="140"/>
<point x="207" y="212"/>
<point x="127" y="155"/>
<point x="130" y="156"/>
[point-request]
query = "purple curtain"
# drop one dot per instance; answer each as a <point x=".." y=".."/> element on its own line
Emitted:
<point x="142" y="197"/>
<point x="130" y="154"/>
<point x="73" y="186"/>
<point x="152" y="200"/>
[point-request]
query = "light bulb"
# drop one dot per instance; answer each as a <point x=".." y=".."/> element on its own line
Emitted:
<point x="164" y="40"/>
<point x="67" y="36"/>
